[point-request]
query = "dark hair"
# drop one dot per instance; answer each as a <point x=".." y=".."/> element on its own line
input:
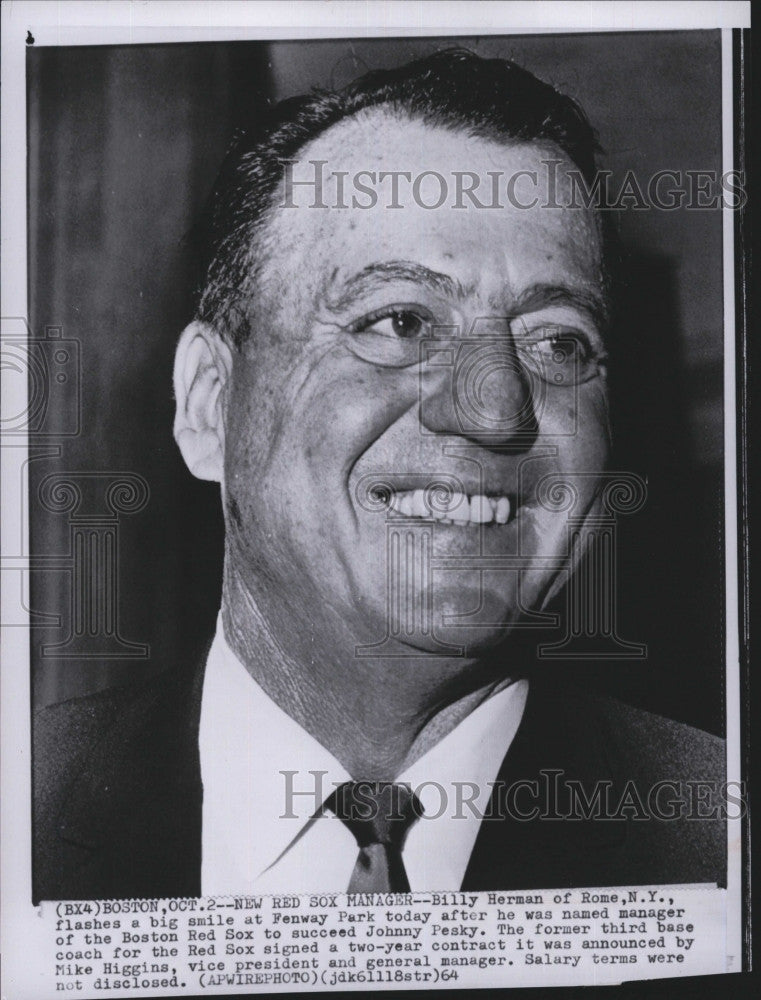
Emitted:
<point x="453" y="89"/>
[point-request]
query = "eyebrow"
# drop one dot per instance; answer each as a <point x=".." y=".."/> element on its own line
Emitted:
<point x="535" y="297"/>
<point x="541" y="296"/>
<point x="376" y="276"/>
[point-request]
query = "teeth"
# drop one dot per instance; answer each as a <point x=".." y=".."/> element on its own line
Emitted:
<point x="502" y="510"/>
<point x="419" y="506"/>
<point x="480" y="510"/>
<point x="461" y="510"/>
<point x="458" y="508"/>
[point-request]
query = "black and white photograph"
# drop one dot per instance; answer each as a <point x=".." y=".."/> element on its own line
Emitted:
<point x="370" y="444"/>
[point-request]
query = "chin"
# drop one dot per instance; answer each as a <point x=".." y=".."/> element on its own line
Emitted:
<point x="470" y="613"/>
<point x="460" y="619"/>
<point x="461" y="614"/>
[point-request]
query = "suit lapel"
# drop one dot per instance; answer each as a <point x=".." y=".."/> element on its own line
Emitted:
<point x="560" y="740"/>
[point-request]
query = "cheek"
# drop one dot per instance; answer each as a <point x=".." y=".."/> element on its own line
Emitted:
<point x="306" y="439"/>
<point x="594" y="413"/>
<point x="350" y="406"/>
<point x="577" y="423"/>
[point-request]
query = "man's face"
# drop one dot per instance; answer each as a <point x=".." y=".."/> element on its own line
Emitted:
<point x="394" y="349"/>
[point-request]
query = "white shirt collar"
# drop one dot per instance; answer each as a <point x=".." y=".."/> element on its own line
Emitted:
<point x="258" y="837"/>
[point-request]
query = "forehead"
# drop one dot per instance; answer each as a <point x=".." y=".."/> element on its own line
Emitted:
<point x="508" y="236"/>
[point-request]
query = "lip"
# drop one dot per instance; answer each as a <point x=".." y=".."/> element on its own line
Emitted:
<point x="468" y="486"/>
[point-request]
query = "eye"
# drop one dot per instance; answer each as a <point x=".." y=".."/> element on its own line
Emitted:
<point x="562" y="355"/>
<point x="404" y="324"/>
<point x="391" y="337"/>
<point x="566" y="345"/>
<point x="397" y="323"/>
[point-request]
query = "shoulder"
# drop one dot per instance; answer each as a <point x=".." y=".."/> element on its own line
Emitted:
<point x="622" y="778"/>
<point x="594" y="727"/>
<point x="79" y="718"/>
<point x="71" y="726"/>
<point x="68" y="734"/>
<point x="115" y="777"/>
<point x="672" y="787"/>
<point x="651" y="745"/>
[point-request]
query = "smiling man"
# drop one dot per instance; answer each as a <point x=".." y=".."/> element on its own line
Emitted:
<point x="397" y="361"/>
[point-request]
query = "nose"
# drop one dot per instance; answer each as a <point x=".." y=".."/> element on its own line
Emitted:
<point x="478" y="389"/>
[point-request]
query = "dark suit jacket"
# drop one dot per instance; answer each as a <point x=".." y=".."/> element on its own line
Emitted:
<point x="117" y="796"/>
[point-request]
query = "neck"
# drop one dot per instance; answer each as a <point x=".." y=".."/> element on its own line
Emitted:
<point x="375" y="715"/>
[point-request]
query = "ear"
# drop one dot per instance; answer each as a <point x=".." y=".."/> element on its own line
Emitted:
<point x="202" y="366"/>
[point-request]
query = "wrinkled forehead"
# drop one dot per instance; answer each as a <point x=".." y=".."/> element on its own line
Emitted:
<point x="380" y="186"/>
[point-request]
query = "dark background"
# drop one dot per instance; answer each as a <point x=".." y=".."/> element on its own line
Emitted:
<point x="124" y="143"/>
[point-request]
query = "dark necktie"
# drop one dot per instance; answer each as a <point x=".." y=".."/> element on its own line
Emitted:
<point x="379" y="815"/>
